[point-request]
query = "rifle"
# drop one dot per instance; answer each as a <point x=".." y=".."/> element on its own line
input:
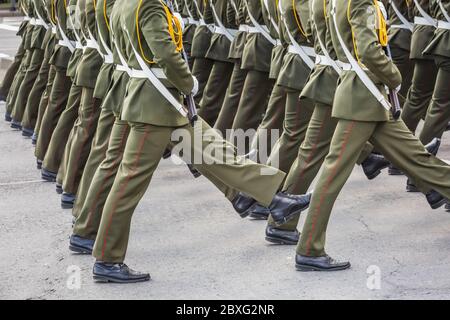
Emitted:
<point x="393" y="94"/>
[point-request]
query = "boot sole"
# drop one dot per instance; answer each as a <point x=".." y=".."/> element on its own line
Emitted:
<point x="66" y="205"/>
<point x="280" y="241"/>
<point x="79" y="250"/>
<point x="439" y="204"/>
<point x="47" y="178"/>
<point x="106" y="279"/>
<point x="308" y="268"/>
<point x="411" y="188"/>
<point x="395" y="173"/>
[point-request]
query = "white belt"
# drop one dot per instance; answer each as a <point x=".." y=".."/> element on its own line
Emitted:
<point x="139" y="74"/>
<point x="33" y="21"/>
<point x="54" y="30"/>
<point x="41" y="23"/>
<point x="26" y="19"/>
<point x="193" y="21"/>
<point x="421" y="21"/>
<point x="108" y="59"/>
<point x="244" y="27"/>
<point x="325" y="61"/>
<point x="222" y="31"/>
<point x="78" y="45"/>
<point x="92" y="44"/>
<point x="443" y="25"/>
<point x="64" y="44"/>
<point x="122" y="68"/>
<point x="308" y="50"/>
<point x="400" y="26"/>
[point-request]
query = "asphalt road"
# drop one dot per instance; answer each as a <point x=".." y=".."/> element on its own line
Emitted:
<point x="195" y="247"/>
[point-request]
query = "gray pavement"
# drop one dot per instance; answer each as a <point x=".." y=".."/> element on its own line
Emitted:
<point x="187" y="236"/>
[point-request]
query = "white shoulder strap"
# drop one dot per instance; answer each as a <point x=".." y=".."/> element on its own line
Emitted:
<point x="220" y="25"/>
<point x="402" y="18"/>
<point x="66" y="40"/>
<point x="260" y="28"/>
<point x="362" y="75"/>
<point x="272" y="21"/>
<point x="424" y="14"/>
<point x="155" y="81"/>
<point x="446" y="15"/>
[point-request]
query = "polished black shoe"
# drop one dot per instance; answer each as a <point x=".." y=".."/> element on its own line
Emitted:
<point x="260" y="212"/>
<point x="433" y="146"/>
<point x="279" y="236"/>
<point x="2" y="97"/>
<point x="16" y="125"/>
<point x="59" y="188"/>
<point x="323" y="263"/>
<point x="285" y="207"/>
<point x="410" y="186"/>
<point x="167" y="154"/>
<point x="194" y="171"/>
<point x="67" y="200"/>
<point x="34" y="139"/>
<point x="243" y="204"/>
<point x="48" y="175"/>
<point x="373" y="165"/>
<point x="393" y="171"/>
<point x="27" y="132"/>
<point x="8" y="117"/>
<point x="118" y="273"/>
<point x="81" y="245"/>
<point x="38" y="164"/>
<point x="447" y="206"/>
<point x="435" y="199"/>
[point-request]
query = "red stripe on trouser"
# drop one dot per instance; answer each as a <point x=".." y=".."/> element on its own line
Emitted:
<point x="108" y="174"/>
<point x="124" y="186"/>
<point x="314" y="149"/>
<point x="330" y="178"/>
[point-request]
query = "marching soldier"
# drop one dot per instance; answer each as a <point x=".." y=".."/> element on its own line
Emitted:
<point x="14" y="67"/>
<point x="37" y="50"/>
<point x="361" y="109"/>
<point x="215" y="90"/>
<point x="150" y="133"/>
<point x="31" y="113"/>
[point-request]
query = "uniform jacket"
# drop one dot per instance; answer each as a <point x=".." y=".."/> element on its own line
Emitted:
<point x="400" y="38"/>
<point x="239" y="18"/>
<point x="422" y="34"/>
<point x="440" y="43"/>
<point x="203" y="35"/>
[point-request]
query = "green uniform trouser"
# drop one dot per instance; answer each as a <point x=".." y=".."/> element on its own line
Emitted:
<point x="58" y="141"/>
<point x="96" y="156"/>
<point x="273" y="120"/>
<point x="406" y="67"/>
<point x="438" y="114"/>
<point x="32" y="108"/>
<point x="56" y="104"/>
<point x="43" y="103"/>
<point x="232" y="98"/>
<point x="311" y="155"/>
<point x="27" y="84"/>
<point x="83" y="133"/>
<point x="201" y="70"/>
<point x="144" y="149"/>
<point x="419" y="95"/>
<point x="215" y="90"/>
<point x="12" y="71"/>
<point x="395" y="141"/>
<point x="12" y="96"/>
<point x="90" y="214"/>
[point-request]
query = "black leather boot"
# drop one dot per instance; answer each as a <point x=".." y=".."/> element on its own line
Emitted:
<point x="433" y="146"/>
<point x="81" y="245"/>
<point x="285" y="206"/>
<point x="410" y="186"/>
<point x="373" y="165"/>
<point x="435" y="199"/>
<point x="323" y="263"/>
<point x="393" y="171"/>
<point x="243" y="204"/>
<point x="59" y="188"/>
<point x="16" y="125"/>
<point x="67" y="200"/>
<point x="27" y="132"/>
<point x="260" y="213"/>
<point x="38" y="164"/>
<point x="8" y="117"/>
<point x="117" y="273"/>
<point x="283" y="237"/>
<point x="48" y="175"/>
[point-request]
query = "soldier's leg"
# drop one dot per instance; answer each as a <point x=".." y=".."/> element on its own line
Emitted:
<point x="272" y="121"/>
<point x="12" y="96"/>
<point x="298" y="115"/>
<point x="215" y="90"/>
<point x="438" y="114"/>
<point x="144" y="149"/>
<point x="43" y="103"/>
<point x="80" y="148"/>
<point x="58" y="141"/>
<point x="348" y="140"/>
<point x="406" y="152"/>
<point x="56" y="105"/>
<point x="406" y="67"/>
<point x="201" y="70"/>
<point x="27" y="85"/>
<point x="88" y="218"/>
<point x="11" y="72"/>
<point x="96" y="156"/>
<point x="32" y="108"/>
<point x="420" y="93"/>
<point x="232" y="99"/>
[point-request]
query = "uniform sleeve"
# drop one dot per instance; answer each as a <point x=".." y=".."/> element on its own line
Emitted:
<point x="154" y="28"/>
<point x="370" y="51"/>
